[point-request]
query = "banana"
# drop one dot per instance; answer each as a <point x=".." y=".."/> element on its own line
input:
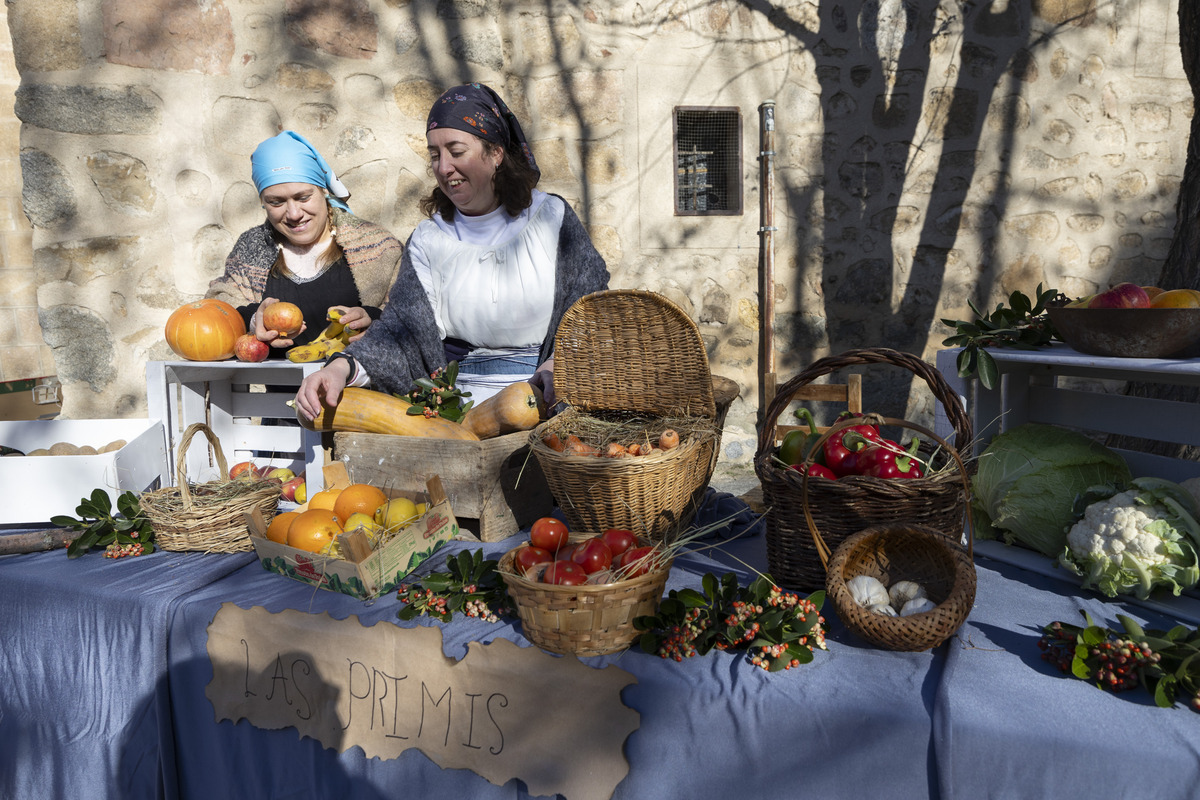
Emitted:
<point x="332" y="340"/>
<point x="318" y="350"/>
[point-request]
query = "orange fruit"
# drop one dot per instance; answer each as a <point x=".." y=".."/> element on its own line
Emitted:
<point x="278" y="529"/>
<point x="1177" y="298"/>
<point x="358" y="498"/>
<point x="326" y="498"/>
<point x="313" y="530"/>
<point x="1152" y="291"/>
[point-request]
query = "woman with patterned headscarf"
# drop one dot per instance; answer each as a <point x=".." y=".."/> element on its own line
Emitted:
<point x="311" y="250"/>
<point x="486" y="279"/>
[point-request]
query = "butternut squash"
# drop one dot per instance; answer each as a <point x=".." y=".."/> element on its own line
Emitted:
<point x="368" y="411"/>
<point x="517" y="407"/>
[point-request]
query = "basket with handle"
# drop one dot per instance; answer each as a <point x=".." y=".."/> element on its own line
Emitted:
<point x="586" y="620"/>
<point x="897" y="551"/>
<point x="630" y="364"/>
<point x="208" y="517"/>
<point x="850" y="504"/>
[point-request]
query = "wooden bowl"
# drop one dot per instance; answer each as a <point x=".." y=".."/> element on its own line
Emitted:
<point x="1130" y="332"/>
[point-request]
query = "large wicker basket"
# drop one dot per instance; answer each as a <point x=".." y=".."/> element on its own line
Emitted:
<point x="632" y="356"/>
<point x="897" y="552"/>
<point x="582" y="620"/>
<point x="208" y="517"/>
<point x="846" y="506"/>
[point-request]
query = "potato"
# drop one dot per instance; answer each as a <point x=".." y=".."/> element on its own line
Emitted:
<point x="41" y="451"/>
<point x="112" y="446"/>
<point x="63" y="449"/>
<point x="85" y="450"/>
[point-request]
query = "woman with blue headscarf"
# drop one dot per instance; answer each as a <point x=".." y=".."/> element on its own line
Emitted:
<point x="311" y="250"/>
<point x="485" y="279"/>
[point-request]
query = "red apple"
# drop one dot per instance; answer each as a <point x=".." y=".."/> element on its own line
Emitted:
<point x="1123" y="295"/>
<point x="593" y="555"/>
<point x="289" y="488"/>
<point x="564" y="573"/>
<point x="529" y="556"/>
<point x="638" y="561"/>
<point x="284" y="318"/>
<point x="248" y="347"/>
<point x="618" y="540"/>
<point x="244" y="469"/>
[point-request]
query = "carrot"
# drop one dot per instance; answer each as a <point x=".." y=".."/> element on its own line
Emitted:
<point x="553" y="442"/>
<point x="616" y="450"/>
<point x="668" y="439"/>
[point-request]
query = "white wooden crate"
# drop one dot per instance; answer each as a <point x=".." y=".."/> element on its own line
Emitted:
<point x="1058" y="385"/>
<point x="40" y="487"/>
<point x="231" y="397"/>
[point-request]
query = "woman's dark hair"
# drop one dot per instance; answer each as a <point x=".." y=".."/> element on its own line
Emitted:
<point x="330" y="256"/>
<point x="514" y="182"/>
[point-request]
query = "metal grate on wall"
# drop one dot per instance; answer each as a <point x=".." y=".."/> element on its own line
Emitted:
<point x="708" y="160"/>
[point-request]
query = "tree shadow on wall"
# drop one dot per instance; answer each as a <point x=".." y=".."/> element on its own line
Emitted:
<point x="919" y="142"/>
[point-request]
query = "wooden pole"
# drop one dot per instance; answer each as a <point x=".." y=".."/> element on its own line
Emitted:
<point x="766" y="257"/>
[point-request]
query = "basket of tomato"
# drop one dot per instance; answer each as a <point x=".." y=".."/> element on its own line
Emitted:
<point x="636" y="446"/>
<point x="578" y="594"/>
<point x="855" y="476"/>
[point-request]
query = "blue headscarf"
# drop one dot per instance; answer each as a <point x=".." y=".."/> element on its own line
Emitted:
<point x="289" y="158"/>
<point x="476" y="108"/>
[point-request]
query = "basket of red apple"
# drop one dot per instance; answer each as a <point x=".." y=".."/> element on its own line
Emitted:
<point x="578" y="594"/>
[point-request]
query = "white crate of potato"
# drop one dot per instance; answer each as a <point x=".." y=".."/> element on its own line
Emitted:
<point x="66" y="460"/>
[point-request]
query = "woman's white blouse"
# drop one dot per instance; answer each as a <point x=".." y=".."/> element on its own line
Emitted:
<point x="490" y="278"/>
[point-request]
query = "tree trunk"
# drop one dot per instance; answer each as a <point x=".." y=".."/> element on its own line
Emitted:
<point x="1179" y="270"/>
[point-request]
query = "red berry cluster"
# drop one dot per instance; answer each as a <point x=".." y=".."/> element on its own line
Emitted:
<point x="115" y="550"/>
<point x="486" y="605"/>
<point x="739" y="624"/>
<point x="680" y="641"/>
<point x="1116" y="665"/>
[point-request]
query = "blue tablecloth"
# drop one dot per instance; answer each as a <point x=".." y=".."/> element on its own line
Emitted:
<point x="980" y="716"/>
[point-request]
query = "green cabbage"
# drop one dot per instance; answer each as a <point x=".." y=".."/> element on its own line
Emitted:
<point x="1027" y="480"/>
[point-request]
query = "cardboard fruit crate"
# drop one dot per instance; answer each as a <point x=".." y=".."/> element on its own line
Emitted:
<point x="234" y="398"/>
<point x="381" y="571"/>
<point x="496" y="488"/>
<point x="41" y="487"/>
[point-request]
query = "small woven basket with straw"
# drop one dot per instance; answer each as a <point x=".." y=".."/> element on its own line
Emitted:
<point x="902" y="551"/>
<point x="208" y="517"/>
<point x="582" y="620"/>
<point x="848" y="505"/>
<point x="629" y="364"/>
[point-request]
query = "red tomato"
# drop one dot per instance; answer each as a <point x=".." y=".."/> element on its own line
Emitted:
<point x="530" y="556"/>
<point x="564" y="573"/>
<point x="566" y="551"/>
<point x="618" y="541"/>
<point x="629" y="562"/>
<point x="548" y="533"/>
<point x="593" y="555"/>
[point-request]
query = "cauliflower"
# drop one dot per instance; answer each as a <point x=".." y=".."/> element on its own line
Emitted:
<point x="1136" y="540"/>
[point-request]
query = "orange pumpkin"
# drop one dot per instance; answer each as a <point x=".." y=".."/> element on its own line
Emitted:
<point x="205" y="330"/>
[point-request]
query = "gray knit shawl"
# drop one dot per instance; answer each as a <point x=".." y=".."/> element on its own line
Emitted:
<point x="404" y="345"/>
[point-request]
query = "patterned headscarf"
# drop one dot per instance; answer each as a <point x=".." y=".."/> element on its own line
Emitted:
<point x="476" y="108"/>
<point x="289" y="158"/>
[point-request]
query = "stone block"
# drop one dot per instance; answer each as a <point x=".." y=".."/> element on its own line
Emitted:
<point x="184" y="37"/>
<point x="45" y="35"/>
<point x="343" y="28"/>
<point x="92" y="110"/>
<point x="20" y="362"/>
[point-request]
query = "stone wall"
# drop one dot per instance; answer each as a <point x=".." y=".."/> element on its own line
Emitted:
<point x="925" y="153"/>
<point x="23" y="352"/>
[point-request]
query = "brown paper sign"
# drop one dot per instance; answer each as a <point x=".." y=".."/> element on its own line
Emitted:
<point x="503" y="711"/>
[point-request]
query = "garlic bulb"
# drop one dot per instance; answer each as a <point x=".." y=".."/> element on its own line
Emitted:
<point x="916" y="606"/>
<point x="883" y="608"/>
<point x="867" y="591"/>
<point x="901" y="592"/>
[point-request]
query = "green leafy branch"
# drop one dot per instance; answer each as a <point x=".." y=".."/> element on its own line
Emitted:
<point x="437" y="396"/>
<point x="128" y="534"/>
<point x="1023" y="325"/>
<point x="778" y="629"/>
<point x="470" y="585"/>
